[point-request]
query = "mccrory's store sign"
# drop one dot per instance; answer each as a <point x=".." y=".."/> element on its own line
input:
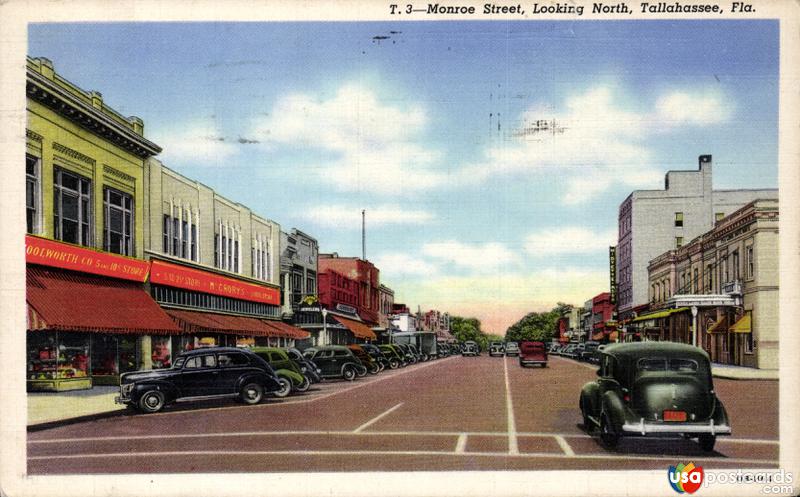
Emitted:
<point x="164" y="273"/>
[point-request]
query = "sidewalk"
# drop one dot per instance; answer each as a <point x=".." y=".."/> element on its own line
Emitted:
<point x="729" y="372"/>
<point x="49" y="407"/>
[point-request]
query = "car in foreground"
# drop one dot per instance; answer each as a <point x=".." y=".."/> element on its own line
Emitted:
<point x="198" y="375"/>
<point x="654" y="389"/>
<point x="512" y="348"/>
<point x="497" y="349"/>
<point x="336" y="361"/>
<point x="288" y="372"/>
<point x="532" y="353"/>
<point x="470" y="348"/>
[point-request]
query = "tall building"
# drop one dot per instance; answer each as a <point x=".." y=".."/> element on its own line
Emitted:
<point x="651" y="222"/>
<point x="299" y="252"/>
<point x="367" y="278"/>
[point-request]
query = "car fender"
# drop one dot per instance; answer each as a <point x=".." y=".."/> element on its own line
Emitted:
<point x="357" y="366"/>
<point x="269" y="382"/>
<point x="589" y="398"/>
<point x="720" y="413"/>
<point x="295" y="378"/>
<point x="169" y="390"/>
<point x="613" y="406"/>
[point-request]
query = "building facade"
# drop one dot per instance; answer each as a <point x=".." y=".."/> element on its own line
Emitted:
<point x="89" y="315"/>
<point x="651" y="222"/>
<point x="734" y="267"/>
<point x="367" y="278"/>
<point x="298" y="253"/>
<point x="604" y="328"/>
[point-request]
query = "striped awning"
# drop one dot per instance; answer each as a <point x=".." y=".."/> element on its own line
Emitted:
<point x="359" y="329"/>
<point x="286" y="330"/>
<point x="660" y="314"/>
<point x="199" y="322"/>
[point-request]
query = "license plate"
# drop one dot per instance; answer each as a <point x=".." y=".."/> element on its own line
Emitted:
<point x="674" y="416"/>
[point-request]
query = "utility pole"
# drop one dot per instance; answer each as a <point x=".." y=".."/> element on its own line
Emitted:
<point x="363" y="235"/>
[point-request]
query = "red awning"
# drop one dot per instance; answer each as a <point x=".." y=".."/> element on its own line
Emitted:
<point x="287" y="331"/>
<point x="359" y="329"/>
<point x="198" y="322"/>
<point x="71" y="301"/>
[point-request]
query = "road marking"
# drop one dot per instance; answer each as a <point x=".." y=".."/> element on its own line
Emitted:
<point x="461" y="445"/>
<point x="512" y="427"/>
<point x="564" y="446"/>
<point x="531" y="455"/>
<point x="376" y="418"/>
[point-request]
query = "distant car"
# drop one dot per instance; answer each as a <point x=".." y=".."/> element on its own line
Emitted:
<point x="443" y="349"/>
<point x="307" y="367"/>
<point x="589" y="352"/>
<point x="654" y="388"/>
<point x="497" y="349"/>
<point x="393" y="355"/>
<point x="569" y="350"/>
<point x="288" y="372"/>
<point x="336" y="361"/>
<point x="200" y="373"/>
<point x="376" y="354"/>
<point x="531" y="352"/>
<point x="419" y="355"/>
<point x="470" y="348"/>
<point x="372" y="366"/>
<point x="407" y="353"/>
<point x="512" y="349"/>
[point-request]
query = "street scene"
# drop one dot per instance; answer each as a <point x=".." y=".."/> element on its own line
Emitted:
<point x="455" y="413"/>
<point x="311" y="247"/>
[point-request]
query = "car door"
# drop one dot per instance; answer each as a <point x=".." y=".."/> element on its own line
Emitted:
<point x="607" y="380"/>
<point x="232" y="366"/>
<point x="325" y="361"/>
<point x="200" y="376"/>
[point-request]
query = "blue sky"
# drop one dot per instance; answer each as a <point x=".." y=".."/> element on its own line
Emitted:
<point x="308" y="123"/>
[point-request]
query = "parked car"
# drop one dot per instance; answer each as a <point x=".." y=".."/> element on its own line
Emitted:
<point x="589" y="352"/>
<point x="394" y="355"/>
<point x="376" y="354"/>
<point x="288" y="372"/>
<point x="569" y="350"/>
<point x="497" y="349"/>
<point x="442" y="349"/>
<point x="199" y="373"/>
<point x="335" y="361"/>
<point x="409" y="356"/>
<point x="531" y="352"/>
<point x="512" y="348"/>
<point x="372" y="366"/>
<point x="654" y="388"/>
<point x="470" y="348"/>
<point x="307" y="367"/>
<point x="417" y="353"/>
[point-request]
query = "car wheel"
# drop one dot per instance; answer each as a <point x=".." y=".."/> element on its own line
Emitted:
<point x="707" y="441"/>
<point x="304" y="385"/>
<point x="374" y="369"/>
<point x="349" y="373"/>
<point x="393" y="364"/>
<point x="285" y="388"/>
<point x="151" y="401"/>
<point x="251" y="393"/>
<point x="608" y="436"/>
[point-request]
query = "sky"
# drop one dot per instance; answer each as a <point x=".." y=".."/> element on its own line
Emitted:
<point x="431" y="128"/>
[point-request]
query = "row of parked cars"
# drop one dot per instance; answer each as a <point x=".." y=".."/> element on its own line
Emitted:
<point x="250" y="374"/>
<point x="586" y="351"/>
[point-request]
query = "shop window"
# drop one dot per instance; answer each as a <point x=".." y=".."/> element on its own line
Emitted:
<point x="58" y="356"/>
<point x="161" y="352"/>
<point x="678" y="219"/>
<point x="113" y="355"/>
<point x="118" y="222"/>
<point x="32" y="197"/>
<point x="749" y="343"/>
<point x="72" y="213"/>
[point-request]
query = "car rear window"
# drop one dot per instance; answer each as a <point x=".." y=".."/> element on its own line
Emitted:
<point x="673" y="365"/>
<point x="231" y="360"/>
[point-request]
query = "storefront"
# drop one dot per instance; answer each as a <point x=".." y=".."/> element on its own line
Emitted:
<point x="89" y="318"/>
<point x="342" y="326"/>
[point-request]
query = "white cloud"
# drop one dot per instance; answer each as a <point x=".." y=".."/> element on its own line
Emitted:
<point x="594" y="142"/>
<point x="683" y="108"/>
<point x="349" y="217"/>
<point x="374" y="143"/>
<point x="397" y="264"/>
<point x="198" y="142"/>
<point x="569" y="240"/>
<point x="478" y="257"/>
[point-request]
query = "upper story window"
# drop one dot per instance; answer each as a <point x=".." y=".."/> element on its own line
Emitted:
<point x="118" y="222"/>
<point x="226" y="248"/>
<point x="678" y="241"/>
<point x="72" y="211"/>
<point x="180" y="234"/>
<point x="32" y="196"/>
<point x="678" y="219"/>
<point x="736" y="273"/>
<point x="750" y="261"/>
<point x="719" y="215"/>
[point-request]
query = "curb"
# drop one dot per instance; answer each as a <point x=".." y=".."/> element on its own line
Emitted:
<point x="46" y="425"/>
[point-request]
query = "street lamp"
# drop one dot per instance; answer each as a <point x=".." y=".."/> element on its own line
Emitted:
<point x="324" y="323"/>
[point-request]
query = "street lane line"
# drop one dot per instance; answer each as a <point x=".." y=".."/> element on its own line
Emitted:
<point x="338" y="453"/>
<point x="376" y="418"/>
<point x="564" y="446"/>
<point x="513" y="448"/>
<point x="461" y="445"/>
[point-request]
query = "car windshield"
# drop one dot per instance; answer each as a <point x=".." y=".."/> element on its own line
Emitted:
<point x="661" y="364"/>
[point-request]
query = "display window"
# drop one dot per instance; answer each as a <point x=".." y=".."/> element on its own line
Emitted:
<point x="112" y="355"/>
<point x="58" y="356"/>
<point x="242" y="341"/>
<point x="161" y="352"/>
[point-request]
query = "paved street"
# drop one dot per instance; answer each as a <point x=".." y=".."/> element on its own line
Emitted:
<point x="457" y="413"/>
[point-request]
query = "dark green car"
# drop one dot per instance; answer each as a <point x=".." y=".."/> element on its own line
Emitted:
<point x="654" y="388"/>
<point x="336" y="361"/>
<point x="288" y="372"/>
<point x="395" y="357"/>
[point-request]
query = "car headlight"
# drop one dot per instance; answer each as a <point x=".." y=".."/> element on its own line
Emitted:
<point x="319" y="371"/>
<point x="303" y="369"/>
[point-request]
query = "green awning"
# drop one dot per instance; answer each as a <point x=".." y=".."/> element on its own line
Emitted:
<point x="659" y="314"/>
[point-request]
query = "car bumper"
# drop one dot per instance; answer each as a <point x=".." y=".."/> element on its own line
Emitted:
<point x="532" y="361"/>
<point x="122" y="400"/>
<point x="644" y="428"/>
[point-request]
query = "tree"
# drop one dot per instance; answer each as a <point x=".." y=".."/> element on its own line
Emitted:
<point x="468" y="329"/>
<point x="538" y="326"/>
